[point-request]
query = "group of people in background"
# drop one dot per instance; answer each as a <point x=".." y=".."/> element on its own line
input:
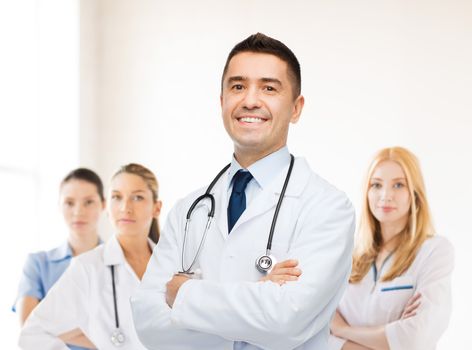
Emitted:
<point x="77" y="296"/>
<point x="89" y="301"/>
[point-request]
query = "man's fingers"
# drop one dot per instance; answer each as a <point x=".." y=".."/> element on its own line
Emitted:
<point x="284" y="271"/>
<point x="293" y="271"/>
<point x="286" y="263"/>
<point x="280" y="279"/>
<point x="287" y="277"/>
<point x="276" y="278"/>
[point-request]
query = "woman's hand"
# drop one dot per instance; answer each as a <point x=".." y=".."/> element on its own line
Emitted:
<point x="77" y="338"/>
<point x="338" y="324"/>
<point x="283" y="272"/>
<point x="411" y="306"/>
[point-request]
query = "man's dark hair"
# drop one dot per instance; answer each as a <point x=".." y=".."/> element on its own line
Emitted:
<point x="260" y="43"/>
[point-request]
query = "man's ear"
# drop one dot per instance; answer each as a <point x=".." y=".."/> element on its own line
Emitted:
<point x="297" y="109"/>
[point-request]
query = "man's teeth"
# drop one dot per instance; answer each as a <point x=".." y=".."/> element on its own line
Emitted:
<point x="251" y="120"/>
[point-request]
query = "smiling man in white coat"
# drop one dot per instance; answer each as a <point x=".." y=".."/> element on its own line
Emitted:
<point x="226" y="299"/>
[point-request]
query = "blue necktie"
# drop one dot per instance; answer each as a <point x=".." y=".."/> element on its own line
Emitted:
<point x="237" y="201"/>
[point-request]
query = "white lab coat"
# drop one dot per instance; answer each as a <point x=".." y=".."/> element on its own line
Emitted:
<point x="371" y="304"/>
<point x="83" y="298"/>
<point x="229" y="305"/>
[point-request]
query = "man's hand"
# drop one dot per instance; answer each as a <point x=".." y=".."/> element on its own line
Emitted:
<point x="173" y="287"/>
<point x="411" y="306"/>
<point x="283" y="272"/>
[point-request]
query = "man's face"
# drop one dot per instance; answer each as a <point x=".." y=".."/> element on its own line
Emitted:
<point x="258" y="104"/>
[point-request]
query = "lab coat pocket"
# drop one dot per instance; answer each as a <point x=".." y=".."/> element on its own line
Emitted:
<point x="394" y="295"/>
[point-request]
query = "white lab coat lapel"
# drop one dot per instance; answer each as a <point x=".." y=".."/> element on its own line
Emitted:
<point x="220" y="192"/>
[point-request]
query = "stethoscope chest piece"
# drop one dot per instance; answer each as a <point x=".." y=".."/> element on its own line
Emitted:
<point x="117" y="338"/>
<point x="264" y="263"/>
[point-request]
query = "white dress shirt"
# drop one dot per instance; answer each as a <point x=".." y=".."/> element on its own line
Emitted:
<point x="83" y="298"/>
<point x="371" y="303"/>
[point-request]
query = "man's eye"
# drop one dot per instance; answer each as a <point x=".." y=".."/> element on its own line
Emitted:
<point x="270" y="88"/>
<point x="237" y="87"/>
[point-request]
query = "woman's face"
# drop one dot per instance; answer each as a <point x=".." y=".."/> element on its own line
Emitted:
<point x="81" y="206"/>
<point x="389" y="198"/>
<point x="131" y="207"/>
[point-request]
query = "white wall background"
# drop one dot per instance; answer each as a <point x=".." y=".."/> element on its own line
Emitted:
<point x="39" y="142"/>
<point x="374" y="74"/>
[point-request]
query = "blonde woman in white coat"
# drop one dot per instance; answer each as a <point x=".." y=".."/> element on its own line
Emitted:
<point x="399" y="295"/>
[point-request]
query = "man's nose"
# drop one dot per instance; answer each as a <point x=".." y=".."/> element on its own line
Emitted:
<point x="252" y="98"/>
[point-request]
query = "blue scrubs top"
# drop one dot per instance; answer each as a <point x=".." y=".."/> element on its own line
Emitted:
<point x="41" y="271"/>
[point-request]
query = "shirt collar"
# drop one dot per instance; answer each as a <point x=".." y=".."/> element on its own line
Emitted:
<point x="265" y="170"/>
<point x="113" y="253"/>
<point x="60" y="253"/>
<point x="63" y="252"/>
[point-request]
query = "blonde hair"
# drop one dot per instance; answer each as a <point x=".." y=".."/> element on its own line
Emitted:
<point x="151" y="181"/>
<point x="419" y="226"/>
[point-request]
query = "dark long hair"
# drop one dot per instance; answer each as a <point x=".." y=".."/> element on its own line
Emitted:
<point x="151" y="181"/>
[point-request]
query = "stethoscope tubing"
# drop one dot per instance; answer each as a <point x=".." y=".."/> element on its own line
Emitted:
<point x="117" y="321"/>
<point x="117" y="337"/>
<point x="279" y="204"/>
<point x="211" y="214"/>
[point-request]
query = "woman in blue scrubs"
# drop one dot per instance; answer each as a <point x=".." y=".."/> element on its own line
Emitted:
<point x="82" y="202"/>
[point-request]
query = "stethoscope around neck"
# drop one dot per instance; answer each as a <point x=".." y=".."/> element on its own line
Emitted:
<point x="266" y="261"/>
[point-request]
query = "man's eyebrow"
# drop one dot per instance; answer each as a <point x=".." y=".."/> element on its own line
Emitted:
<point x="236" y="78"/>
<point x="271" y="80"/>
